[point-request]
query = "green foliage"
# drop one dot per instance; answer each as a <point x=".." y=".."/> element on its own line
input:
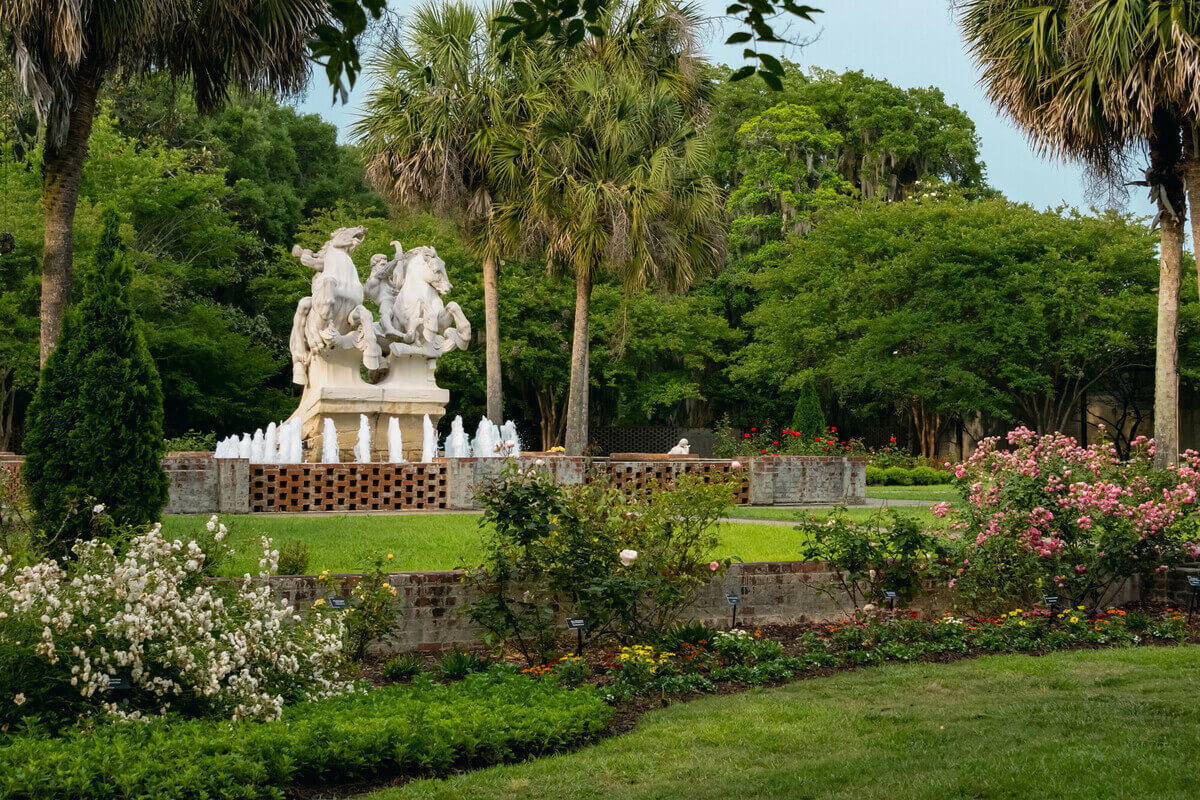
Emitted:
<point x="404" y="667"/>
<point x="373" y="609"/>
<point x="809" y="419"/>
<point x="293" y="558"/>
<point x="901" y="476"/>
<point x="628" y="566"/>
<point x="890" y="552"/>
<point x="422" y="729"/>
<point x="95" y="427"/>
<point x="191" y="441"/>
<point x="458" y="664"/>
<point x="941" y="308"/>
<point x="692" y="633"/>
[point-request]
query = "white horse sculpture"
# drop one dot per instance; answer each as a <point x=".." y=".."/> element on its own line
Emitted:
<point x="334" y="317"/>
<point x="411" y="286"/>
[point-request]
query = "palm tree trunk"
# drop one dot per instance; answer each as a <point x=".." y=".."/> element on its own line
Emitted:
<point x="1191" y="177"/>
<point x="1166" y="157"/>
<point x="577" y="399"/>
<point x="491" y="321"/>
<point x="62" y="168"/>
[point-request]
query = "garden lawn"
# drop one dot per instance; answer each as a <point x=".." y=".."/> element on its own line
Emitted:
<point x="1083" y="724"/>
<point x="933" y="494"/>
<point x="856" y="513"/>
<point x="417" y="542"/>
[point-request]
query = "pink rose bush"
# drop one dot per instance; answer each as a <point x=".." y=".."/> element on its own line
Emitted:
<point x="1046" y="515"/>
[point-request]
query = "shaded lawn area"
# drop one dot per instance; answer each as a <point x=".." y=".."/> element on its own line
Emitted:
<point x="1083" y="724"/>
<point x="345" y="543"/>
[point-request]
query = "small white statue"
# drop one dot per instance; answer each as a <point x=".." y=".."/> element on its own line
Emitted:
<point x="680" y="449"/>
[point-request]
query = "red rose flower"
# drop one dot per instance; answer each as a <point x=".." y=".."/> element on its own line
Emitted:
<point x="754" y="429"/>
<point x="746" y="435"/>
<point x="764" y="452"/>
<point x="832" y="428"/>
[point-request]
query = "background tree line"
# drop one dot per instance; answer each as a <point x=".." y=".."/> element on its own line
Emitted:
<point x="866" y="250"/>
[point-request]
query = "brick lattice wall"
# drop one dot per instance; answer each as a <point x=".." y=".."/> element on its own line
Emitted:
<point x="347" y="487"/>
<point x="639" y="477"/>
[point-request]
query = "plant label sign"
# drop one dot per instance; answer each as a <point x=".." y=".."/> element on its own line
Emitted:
<point x="338" y="602"/>
<point x="576" y="624"/>
<point x="116" y="683"/>
<point x="888" y="594"/>
<point x="1194" y="581"/>
<point x="1050" y="599"/>
<point x="733" y="598"/>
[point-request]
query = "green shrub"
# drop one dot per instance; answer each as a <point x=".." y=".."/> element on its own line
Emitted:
<point x="456" y="664"/>
<point x="192" y="441"/>
<point x="898" y="476"/>
<point x="808" y="419"/>
<point x="94" y="428"/>
<point x="404" y="667"/>
<point x="293" y="558"/>
<point x="629" y="566"/>
<point x="422" y="729"/>
<point x="876" y="476"/>
<point x="928" y="476"/>
<point x="374" y="607"/>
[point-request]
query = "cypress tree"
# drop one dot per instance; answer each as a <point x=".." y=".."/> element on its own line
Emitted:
<point x="94" y="430"/>
<point x="808" y="420"/>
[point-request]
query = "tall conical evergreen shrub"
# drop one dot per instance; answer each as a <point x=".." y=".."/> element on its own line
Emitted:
<point x="808" y="419"/>
<point x="95" y="426"/>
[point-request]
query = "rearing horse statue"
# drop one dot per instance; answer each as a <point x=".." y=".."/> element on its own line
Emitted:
<point x="334" y="317"/>
<point x="414" y="320"/>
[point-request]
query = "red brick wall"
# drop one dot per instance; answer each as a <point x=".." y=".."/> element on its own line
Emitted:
<point x="639" y="477"/>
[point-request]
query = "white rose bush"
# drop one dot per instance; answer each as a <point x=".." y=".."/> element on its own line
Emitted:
<point x="136" y="630"/>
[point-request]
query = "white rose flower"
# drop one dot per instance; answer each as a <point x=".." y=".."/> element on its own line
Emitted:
<point x="628" y="556"/>
<point x="98" y="508"/>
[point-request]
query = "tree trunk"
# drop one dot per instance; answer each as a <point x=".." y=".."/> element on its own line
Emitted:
<point x="577" y="399"/>
<point x="62" y="167"/>
<point x="491" y="322"/>
<point x="1191" y="176"/>
<point x="1165" y="161"/>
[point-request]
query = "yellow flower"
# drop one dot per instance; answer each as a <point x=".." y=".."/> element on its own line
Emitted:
<point x="389" y="556"/>
<point x="1079" y="607"/>
<point x="320" y="601"/>
<point x="1021" y="623"/>
<point x="1074" y="619"/>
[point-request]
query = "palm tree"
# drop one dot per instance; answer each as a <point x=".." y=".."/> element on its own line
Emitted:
<point x="1091" y="81"/>
<point x="611" y="176"/>
<point x="65" y="49"/>
<point x="442" y="87"/>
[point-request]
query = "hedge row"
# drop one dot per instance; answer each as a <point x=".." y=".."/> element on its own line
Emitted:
<point x="420" y="730"/>
<point x="899" y="476"/>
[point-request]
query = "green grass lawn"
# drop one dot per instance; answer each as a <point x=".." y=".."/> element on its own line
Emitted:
<point x="344" y="543"/>
<point x="934" y="494"/>
<point x="856" y="513"/>
<point x="1084" y="724"/>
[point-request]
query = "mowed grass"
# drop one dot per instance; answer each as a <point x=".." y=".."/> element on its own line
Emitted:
<point x="933" y="494"/>
<point x="417" y="542"/>
<point x="859" y="514"/>
<point x="1084" y="724"/>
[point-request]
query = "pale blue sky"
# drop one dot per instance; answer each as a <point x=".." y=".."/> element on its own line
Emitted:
<point x="907" y="42"/>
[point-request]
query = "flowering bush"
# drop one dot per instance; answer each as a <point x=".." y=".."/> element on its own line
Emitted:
<point x="373" y="609"/>
<point x="629" y="566"/>
<point x="770" y="439"/>
<point x="1050" y="516"/>
<point x="888" y="552"/>
<point x="145" y="617"/>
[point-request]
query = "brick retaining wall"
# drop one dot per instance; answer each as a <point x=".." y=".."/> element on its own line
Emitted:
<point x="433" y="617"/>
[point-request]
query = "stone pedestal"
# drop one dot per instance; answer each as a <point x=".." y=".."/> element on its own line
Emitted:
<point x="337" y="390"/>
